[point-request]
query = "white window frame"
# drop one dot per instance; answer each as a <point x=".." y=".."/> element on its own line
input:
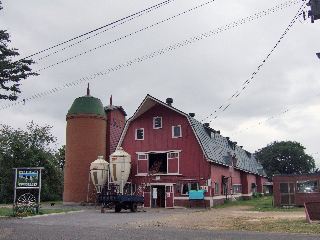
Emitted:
<point x="173" y="135"/>
<point x="189" y="187"/>
<point x="143" y="157"/>
<point x="173" y="155"/>
<point x="136" y="134"/>
<point x="154" y="122"/>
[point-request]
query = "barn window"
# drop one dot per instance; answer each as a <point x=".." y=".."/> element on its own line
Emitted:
<point x="236" y="188"/>
<point x="114" y="122"/>
<point x="185" y="187"/>
<point x="157" y="122"/>
<point x="216" y="189"/>
<point x="158" y="163"/>
<point x="307" y="186"/>
<point x="140" y="134"/>
<point x="176" y="131"/>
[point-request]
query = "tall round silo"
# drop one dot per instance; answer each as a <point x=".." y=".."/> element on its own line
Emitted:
<point x="85" y="141"/>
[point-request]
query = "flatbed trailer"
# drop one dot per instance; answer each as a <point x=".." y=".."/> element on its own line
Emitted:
<point x="121" y="201"/>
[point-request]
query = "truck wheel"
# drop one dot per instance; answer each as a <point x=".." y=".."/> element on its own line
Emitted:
<point x="134" y="207"/>
<point x="117" y="208"/>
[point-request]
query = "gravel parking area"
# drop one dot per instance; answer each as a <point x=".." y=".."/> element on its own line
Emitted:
<point x="214" y="218"/>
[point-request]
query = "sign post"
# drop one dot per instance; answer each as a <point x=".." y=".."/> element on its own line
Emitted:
<point x="27" y="178"/>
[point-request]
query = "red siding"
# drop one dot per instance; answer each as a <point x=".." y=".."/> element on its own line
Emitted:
<point x="114" y="131"/>
<point x="192" y="163"/>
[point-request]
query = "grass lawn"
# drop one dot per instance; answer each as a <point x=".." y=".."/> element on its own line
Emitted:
<point x="268" y="224"/>
<point x="6" y="209"/>
<point x="260" y="204"/>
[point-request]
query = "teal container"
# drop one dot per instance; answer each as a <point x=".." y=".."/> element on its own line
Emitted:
<point x="196" y="194"/>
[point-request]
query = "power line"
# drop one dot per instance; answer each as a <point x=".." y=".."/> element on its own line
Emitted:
<point x="276" y="115"/>
<point x="128" y="35"/>
<point x="159" y="52"/>
<point x="120" y="21"/>
<point x="224" y="106"/>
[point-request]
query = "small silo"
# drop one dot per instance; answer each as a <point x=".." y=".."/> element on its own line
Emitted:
<point x="120" y="167"/>
<point x="99" y="173"/>
<point x="85" y="141"/>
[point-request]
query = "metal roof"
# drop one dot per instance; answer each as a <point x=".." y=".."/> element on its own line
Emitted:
<point x="220" y="149"/>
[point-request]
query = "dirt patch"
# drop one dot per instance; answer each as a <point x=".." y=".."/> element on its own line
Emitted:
<point x="217" y="218"/>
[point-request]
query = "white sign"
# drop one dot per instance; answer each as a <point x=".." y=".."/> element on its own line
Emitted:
<point x="154" y="193"/>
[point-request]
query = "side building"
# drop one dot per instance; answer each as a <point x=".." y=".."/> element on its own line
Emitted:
<point x="183" y="154"/>
<point x="296" y="189"/>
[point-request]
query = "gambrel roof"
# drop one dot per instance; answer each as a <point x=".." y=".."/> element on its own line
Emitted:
<point x="220" y="149"/>
<point x="215" y="147"/>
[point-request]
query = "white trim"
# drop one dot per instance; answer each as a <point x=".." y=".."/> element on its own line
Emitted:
<point x="173" y="136"/>
<point x="160" y="174"/>
<point x="166" y="151"/>
<point x="167" y="158"/>
<point x="162" y="184"/>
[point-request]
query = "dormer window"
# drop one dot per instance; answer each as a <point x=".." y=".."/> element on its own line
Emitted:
<point x="157" y="122"/>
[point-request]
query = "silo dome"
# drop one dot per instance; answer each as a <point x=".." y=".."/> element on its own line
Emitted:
<point x="87" y="104"/>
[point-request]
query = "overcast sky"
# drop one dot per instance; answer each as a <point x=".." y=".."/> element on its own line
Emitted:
<point x="200" y="76"/>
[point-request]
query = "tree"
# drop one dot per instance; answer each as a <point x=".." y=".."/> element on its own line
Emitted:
<point x="285" y="158"/>
<point x="61" y="156"/>
<point x="30" y="148"/>
<point x="11" y="72"/>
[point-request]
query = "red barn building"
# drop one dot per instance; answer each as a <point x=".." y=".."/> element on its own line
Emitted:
<point x="192" y="156"/>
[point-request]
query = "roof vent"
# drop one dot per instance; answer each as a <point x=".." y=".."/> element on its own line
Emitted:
<point x="192" y="114"/>
<point x="169" y="101"/>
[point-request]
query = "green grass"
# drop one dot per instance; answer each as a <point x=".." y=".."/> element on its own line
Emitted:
<point x="6" y="209"/>
<point x="260" y="204"/>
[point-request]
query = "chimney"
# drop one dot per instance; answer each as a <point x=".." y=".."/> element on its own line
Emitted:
<point x="169" y="101"/>
<point x="88" y="90"/>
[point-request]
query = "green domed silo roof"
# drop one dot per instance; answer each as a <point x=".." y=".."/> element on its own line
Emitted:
<point x="87" y="104"/>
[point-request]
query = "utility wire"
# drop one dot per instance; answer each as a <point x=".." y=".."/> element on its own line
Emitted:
<point x="276" y="115"/>
<point x="224" y="106"/>
<point x="118" y="22"/>
<point x="123" y="37"/>
<point x="157" y="53"/>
